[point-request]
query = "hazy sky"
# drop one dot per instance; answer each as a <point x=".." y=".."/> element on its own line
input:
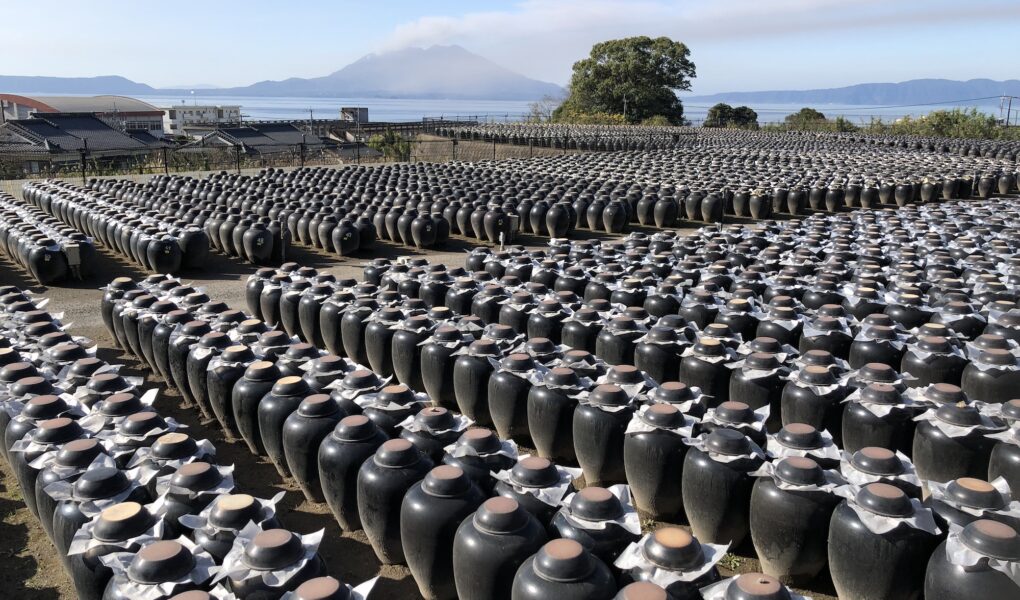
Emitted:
<point x="736" y="44"/>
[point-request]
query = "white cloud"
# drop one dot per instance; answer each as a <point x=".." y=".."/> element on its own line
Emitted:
<point x="543" y="38"/>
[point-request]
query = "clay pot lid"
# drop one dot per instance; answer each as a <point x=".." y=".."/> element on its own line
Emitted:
<point x="992" y="538"/>
<point x="816" y="375"/>
<point x="765" y="344"/>
<point x="563" y="560"/>
<point x="534" y="472"/>
<point x="262" y="370"/>
<point x="673" y="549"/>
<point x="121" y="522"/>
<point x="956" y="307"/>
<point x="945" y="393"/>
<point x="664" y="415"/>
<point x="518" y="362"/>
<point x="273" y="549"/>
<point x="800" y="436"/>
<point x="317" y="406"/>
<point x="799" y="470"/>
<point x="437" y="313"/>
<point x="762" y="360"/>
<point x="44" y="407"/>
<point x="562" y="376"/>
<point x="56" y="431"/>
<point x="435" y="418"/>
<point x="34" y="385"/>
<point x="718" y="330"/>
<point x="756" y="586"/>
<point x="728" y="442"/>
<point x="447" y="333"/>
<point x="624" y="323"/>
<point x="67" y="352"/>
<point x="880" y="332"/>
<point x="397" y="453"/>
<point x="826" y="323"/>
<point x="196" y="476"/>
<point x="141" y="423"/>
<point x="586" y="315"/>
<point x="84" y="367"/>
<point x="291" y="385"/>
<point x="122" y="284"/>
<point x="446" y="481"/>
<point x="672" y="322"/>
<point x="1011" y="409"/>
<point x="161" y="562"/>
<point x="102" y="482"/>
<point x="735" y="412"/>
<point x="322" y="588"/>
<point x="301" y="350"/>
<point x="884" y="499"/>
<point x="879" y="372"/>
<point x="600" y="305"/>
<point x="959" y="414"/>
<point x="79" y="453"/>
<point x="193" y="595"/>
<point x="238" y="353"/>
<point x="608" y="395"/>
<point x="877" y="461"/>
<point x="820" y="358"/>
<point x="361" y="379"/>
<point x="975" y="493"/>
<point x="990" y="341"/>
<point x="596" y="504"/>
<point x="355" y="428"/>
<point x="484" y="347"/>
<point x="234" y="511"/>
<point x="396" y="394"/>
<point x="174" y="445"/>
<point x="709" y="346"/>
<point x="500" y="515"/>
<point x="641" y="590"/>
<point x="878" y="320"/>
<point x="880" y="393"/>
<point x="196" y="328"/>
<point x="540" y="346"/>
<point x="672" y="392"/>
<point x="996" y="356"/>
<point x="625" y="375"/>
<point x="481" y="440"/>
<point x="274" y="339"/>
<point x="120" y="405"/>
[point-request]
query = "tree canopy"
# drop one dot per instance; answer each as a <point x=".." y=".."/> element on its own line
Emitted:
<point x="805" y="116"/>
<point x="637" y="77"/>
<point x="724" y="115"/>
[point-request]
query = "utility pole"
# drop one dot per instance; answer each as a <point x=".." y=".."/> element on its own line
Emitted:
<point x="625" y="107"/>
<point x="84" y="154"/>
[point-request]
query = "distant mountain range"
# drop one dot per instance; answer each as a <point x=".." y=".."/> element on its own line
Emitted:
<point x="915" y="91"/>
<point x="435" y="72"/>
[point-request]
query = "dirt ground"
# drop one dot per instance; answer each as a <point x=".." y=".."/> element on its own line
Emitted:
<point x="29" y="568"/>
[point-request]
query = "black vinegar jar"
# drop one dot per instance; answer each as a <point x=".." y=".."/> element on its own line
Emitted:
<point x="284" y="398"/>
<point x="430" y="514"/>
<point x="341" y="455"/>
<point x="987" y="540"/>
<point x="491" y="546"/>
<point x="563" y="569"/>
<point x="471" y="372"/>
<point x="717" y="485"/>
<point x="303" y="432"/>
<point x="705" y="368"/>
<point x="595" y="505"/>
<point x="245" y="397"/>
<point x="653" y="458"/>
<point x="790" y="524"/>
<point x="869" y="565"/>
<point x="383" y="480"/>
<point x="879" y="417"/>
<point x="598" y="431"/>
<point x="941" y="454"/>
<point x="551" y="414"/>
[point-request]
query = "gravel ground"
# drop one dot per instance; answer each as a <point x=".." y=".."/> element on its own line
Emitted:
<point x="31" y="569"/>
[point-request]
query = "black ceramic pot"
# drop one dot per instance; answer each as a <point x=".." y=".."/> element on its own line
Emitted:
<point x="383" y="480"/>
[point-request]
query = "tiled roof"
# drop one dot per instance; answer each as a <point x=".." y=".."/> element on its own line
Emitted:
<point x="68" y="133"/>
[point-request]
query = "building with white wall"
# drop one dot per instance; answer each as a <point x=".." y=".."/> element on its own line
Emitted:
<point x="181" y="116"/>
<point x="120" y="112"/>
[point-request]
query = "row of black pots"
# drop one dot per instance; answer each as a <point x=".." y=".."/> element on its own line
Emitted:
<point x="132" y="503"/>
<point x="627" y="137"/>
<point x="144" y="237"/>
<point x="363" y="489"/>
<point x="39" y="244"/>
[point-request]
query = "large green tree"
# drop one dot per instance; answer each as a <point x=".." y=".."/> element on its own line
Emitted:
<point x="637" y="77"/>
<point x="805" y="116"/>
<point x="724" y="115"/>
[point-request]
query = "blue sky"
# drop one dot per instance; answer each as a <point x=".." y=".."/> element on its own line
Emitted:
<point x="736" y="44"/>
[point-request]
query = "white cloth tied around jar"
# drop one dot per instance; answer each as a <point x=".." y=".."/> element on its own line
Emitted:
<point x="204" y="569"/>
<point x="827" y="451"/>
<point x="629" y="520"/>
<point x="551" y="495"/>
<point x="267" y="508"/>
<point x="460" y="423"/>
<point x="633" y="559"/>
<point x="639" y="424"/>
<point x="960" y="554"/>
<point x="833" y="480"/>
<point x="861" y="479"/>
<point x="755" y="451"/>
<point x="233" y="563"/>
<point x="717" y="591"/>
<point x="921" y="518"/>
<point x="83" y="540"/>
<point x="986" y="424"/>
<point x="1011" y="508"/>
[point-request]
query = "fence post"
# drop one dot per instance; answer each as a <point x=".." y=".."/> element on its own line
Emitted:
<point x="84" y="153"/>
<point x="531" y="147"/>
<point x="357" y="153"/>
<point x="166" y="164"/>
<point x="302" y="149"/>
<point x="237" y="158"/>
<point x="493" y="147"/>
<point x="453" y="143"/>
